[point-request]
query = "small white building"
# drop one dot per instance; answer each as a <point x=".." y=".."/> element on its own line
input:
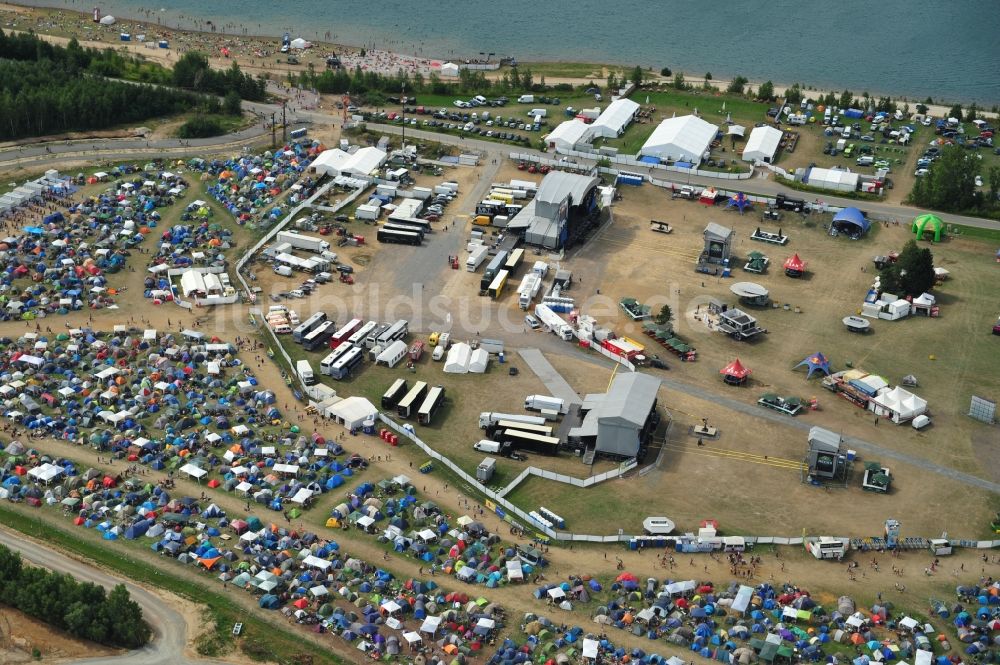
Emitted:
<point x="337" y="162"/>
<point x="351" y="412"/>
<point x="684" y="139"/>
<point x="568" y="135"/>
<point x="762" y="144"/>
<point x="449" y="69"/>
<point x="615" y="119"/>
<point x="838" y="180"/>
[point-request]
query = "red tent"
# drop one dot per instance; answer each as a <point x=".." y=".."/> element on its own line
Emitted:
<point x="735" y="372"/>
<point x="794" y="266"/>
<point x="301" y="603"/>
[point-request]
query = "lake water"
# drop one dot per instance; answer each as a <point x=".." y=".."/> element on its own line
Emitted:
<point x="916" y="48"/>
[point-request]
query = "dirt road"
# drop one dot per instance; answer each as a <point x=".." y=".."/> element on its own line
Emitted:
<point x="170" y="626"/>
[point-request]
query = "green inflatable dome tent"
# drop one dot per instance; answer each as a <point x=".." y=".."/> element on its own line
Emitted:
<point x="927" y="223"/>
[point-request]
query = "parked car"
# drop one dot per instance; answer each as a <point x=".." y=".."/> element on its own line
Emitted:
<point x="532" y="322"/>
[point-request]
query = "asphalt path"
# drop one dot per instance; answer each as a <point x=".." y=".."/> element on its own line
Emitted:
<point x="756" y="185"/>
<point x="169" y="627"/>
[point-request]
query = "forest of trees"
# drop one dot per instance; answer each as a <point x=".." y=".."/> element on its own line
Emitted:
<point x="50" y="89"/>
<point x="83" y="610"/>
<point x="38" y="98"/>
<point x="193" y="72"/>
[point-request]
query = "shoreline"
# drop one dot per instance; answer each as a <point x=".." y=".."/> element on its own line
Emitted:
<point x="417" y="63"/>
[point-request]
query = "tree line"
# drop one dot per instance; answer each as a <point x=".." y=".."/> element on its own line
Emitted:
<point x="82" y="609"/>
<point x="950" y="184"/>
<point x="193" y="72"/>
<point x="370" y="84"/>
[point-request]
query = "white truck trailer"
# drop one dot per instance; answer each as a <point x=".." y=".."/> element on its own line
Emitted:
<point x="302" y="241"/>
<point x="487" y="418"/>
<point x="554" y="322"/>
<point x="476" y="257"/>
<point x="305" y="372"/>
<point x="531" y="284"/>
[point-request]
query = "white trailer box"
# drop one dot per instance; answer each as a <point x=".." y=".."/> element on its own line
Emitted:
<point x="487" y="418"/>
<point x="366" y="211"/>
<point x="544" y="403"/>
<point x="476" y="258"/>
<point x="531" y="284"/>
<point x="553" y="322"/>
<point x="422" y="193"/>
<point x="305" y="372"/>
<point x="485" y="470"/>
<point x="302" y="241"/>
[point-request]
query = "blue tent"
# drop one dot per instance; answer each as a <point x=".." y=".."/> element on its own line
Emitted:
<point x="852" y="222"/>
<point x="739" y="201"/>
<point x="815" y="362"/>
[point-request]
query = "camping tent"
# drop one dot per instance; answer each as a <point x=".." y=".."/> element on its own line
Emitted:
<point x="794" y="266"/>
<point x="852" y="222"/>
<point x="299" y="43"/>
<point x="815" y="362"/>
<point x="927" y="224"/>
<point x="735" y="373"/>
<point x="108" y="20"/>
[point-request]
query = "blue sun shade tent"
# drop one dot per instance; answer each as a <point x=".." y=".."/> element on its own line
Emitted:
<point x="851" y="220"/>
<point x="817" y="362"/>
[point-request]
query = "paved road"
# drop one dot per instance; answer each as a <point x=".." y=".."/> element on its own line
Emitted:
<point x="760" y="186"/>
<point x="553" y="380"/>
<point x="170" y="629"/>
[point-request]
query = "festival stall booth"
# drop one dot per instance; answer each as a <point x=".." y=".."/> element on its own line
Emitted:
<point x="735" y="373"/>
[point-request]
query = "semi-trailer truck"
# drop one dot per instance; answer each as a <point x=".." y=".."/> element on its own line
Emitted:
<point x="476" y="257"/>
<point x="301" y="241"/>
<point x="305" y="372"/>
<point x="553" y="321"/>
<point x="487" y="418"/>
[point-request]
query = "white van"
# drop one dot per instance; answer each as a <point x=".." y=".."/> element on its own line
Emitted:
<point x="526" y="99"/>
<point x="282" y="329"/>
<point x="487" y="446"/>
<point x="534" y="113"/>
<point x="438" y="353"/>
<point x="866" y="160"/>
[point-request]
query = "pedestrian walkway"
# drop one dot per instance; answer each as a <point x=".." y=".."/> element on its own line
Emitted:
<point x="552" y="379"/>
